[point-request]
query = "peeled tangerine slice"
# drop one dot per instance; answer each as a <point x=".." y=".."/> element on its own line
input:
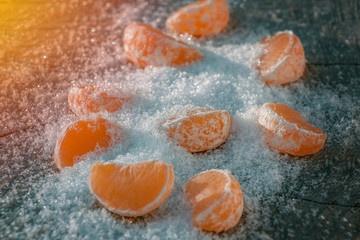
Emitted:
<point x="284" y="60"/>
<point x="146" y="46"/>
<point x="287" y="131"/>
<point x="216" y="199"/>
<point x="199" y="130"/>
<point x="87" y="99"/>
<point x="131" y="190"/>
<point x="206" y="17"/>
<point x="85" y="136"/>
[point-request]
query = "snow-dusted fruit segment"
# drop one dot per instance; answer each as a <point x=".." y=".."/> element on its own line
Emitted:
<point x="147" y="46"/>
<point x="87" y="99"/>
<point x="286" y="130"/>
<point x="283" y="61"/>
<point x="199" y="130"/>
<point x="85" y="136"/>
<point x="131" y="190"/>
<point x="206" y="17"/>
<point x="216" y="199"/>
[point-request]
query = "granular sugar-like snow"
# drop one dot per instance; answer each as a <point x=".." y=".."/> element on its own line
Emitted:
<point x="59" y="205"/>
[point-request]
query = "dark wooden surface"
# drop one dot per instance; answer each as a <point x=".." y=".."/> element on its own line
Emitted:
<point x="330" y="32"/>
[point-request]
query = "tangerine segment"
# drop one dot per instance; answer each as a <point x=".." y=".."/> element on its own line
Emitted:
<point x="284" y="60"/>
<point x="131" y="190"/>
<point x="146" y="46"/>
<point x="216" y="199"/>
<point x="287" y="131"/>
<point x="84" y="136"/>
<point x="206" y="17"/>
<point x="199" y="130"/>
<point x="87" y="99"/>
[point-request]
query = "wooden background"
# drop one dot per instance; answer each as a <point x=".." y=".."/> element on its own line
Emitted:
<point x="40" y="55"/>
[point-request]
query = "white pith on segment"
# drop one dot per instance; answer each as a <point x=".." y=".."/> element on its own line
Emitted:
<point x="206" y="17"/>
<point x="234" y="198"/>
<point x="158" y="57"/>
<point x="197" y="138"/>
<point x="78" y="109"/>
<point x="144" y="210"/>
<point x="59" y="142"/>
<point x="79" y="100"/>
<point x="288" y="67"/>
<point x="189" y="10"/>
<point x="270" y="120"/>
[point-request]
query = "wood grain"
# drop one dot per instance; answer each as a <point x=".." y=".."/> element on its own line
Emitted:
<point x="329" y="30"/>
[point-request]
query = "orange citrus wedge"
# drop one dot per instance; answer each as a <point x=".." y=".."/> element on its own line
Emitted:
<point x="216" y="199"/>
<point x="84" y="136"/>
<point x="283" y="61"/>
<point x="199" y="130"/>
<point x="87" y="99"/>
<point x="147" y="46"/>
<point x="205" y="17"/>
<point x="286" y="130"/>
<point x="131" y="190"/>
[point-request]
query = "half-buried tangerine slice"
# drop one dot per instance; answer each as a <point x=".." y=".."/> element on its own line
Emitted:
<point x="286" y="130"/>
<point x="199" y="130"/>
<point x="85" y="136"/>
<point x="147" y="46"/>
<point x="87" y="99"/>
<point x="131" y="190"/>
<point x="283" y="61"/>
<point x="205" y="17"/>
<point x="216" y="199"/>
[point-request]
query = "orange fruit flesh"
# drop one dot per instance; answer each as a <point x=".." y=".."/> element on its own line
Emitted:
<point x="276" y="47"/>
<point x="87" y="99"/>
<point x="146" y="46"/>
<point x="131" y="190"/>
<point x="216" y="199"/>
<point x="82" y="137"/>
<point x="284" y="60"/>
<point x="293" y="116"/>
<point x="200" y="130"/>
<point x="287" y="131"/>
<point x="201" y="18"/>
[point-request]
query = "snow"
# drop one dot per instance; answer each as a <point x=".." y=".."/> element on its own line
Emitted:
<point x="53" y="204"/>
